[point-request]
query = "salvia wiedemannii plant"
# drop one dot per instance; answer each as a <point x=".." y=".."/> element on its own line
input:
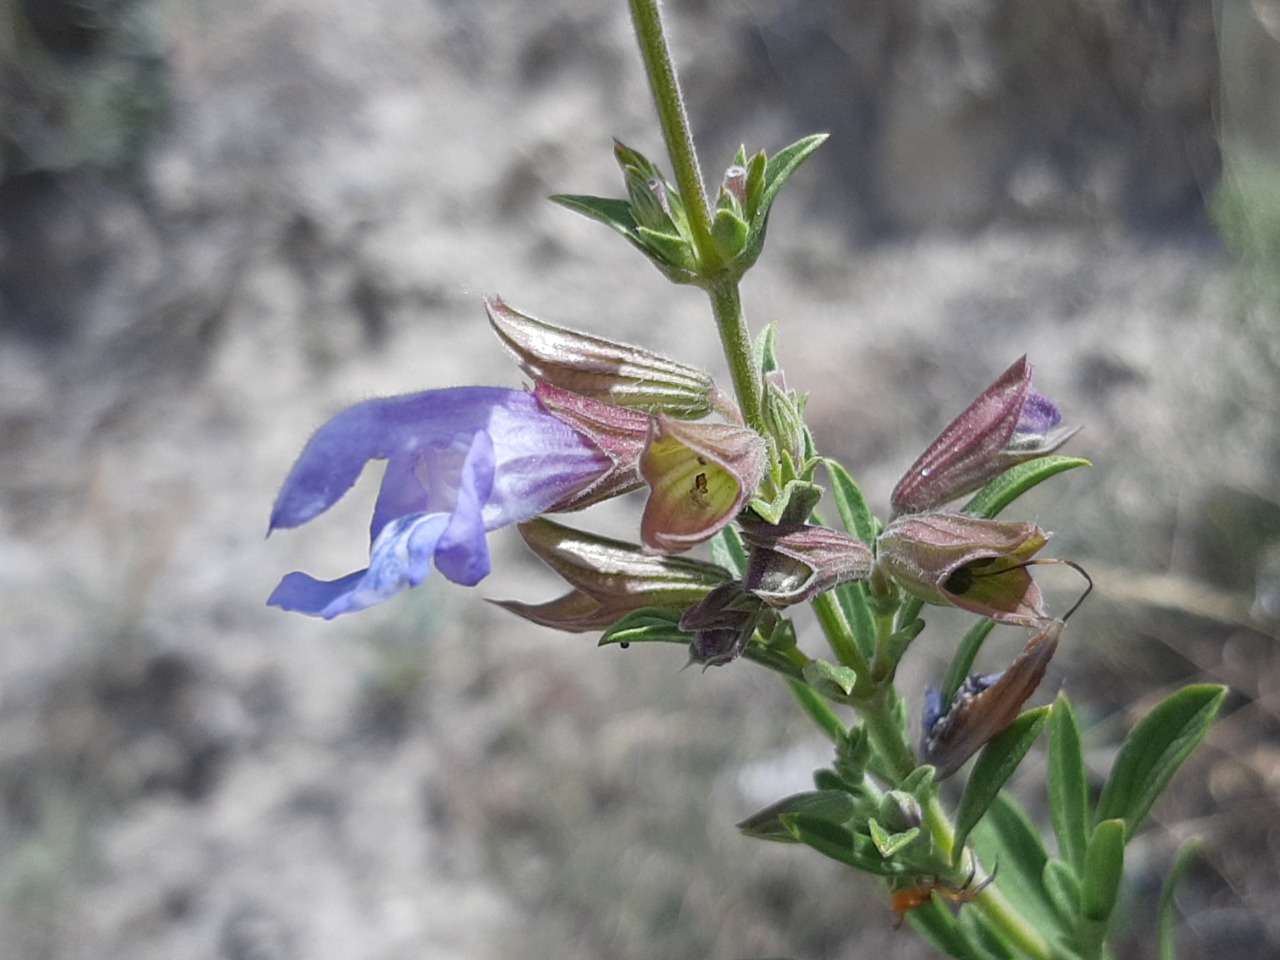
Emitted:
<point x="739" y="474"/>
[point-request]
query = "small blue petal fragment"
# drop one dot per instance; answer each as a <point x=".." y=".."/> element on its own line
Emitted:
<point x="1039" y="415"/>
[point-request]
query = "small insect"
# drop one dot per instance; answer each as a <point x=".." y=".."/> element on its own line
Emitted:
<point x="905" y="899"/>
<point x="699" y="492"/>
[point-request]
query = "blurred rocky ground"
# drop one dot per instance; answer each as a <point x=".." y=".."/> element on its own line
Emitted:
<point x="220" y="223"/>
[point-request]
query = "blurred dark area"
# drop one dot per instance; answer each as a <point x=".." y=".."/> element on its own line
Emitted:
<point x="220" y="223"/>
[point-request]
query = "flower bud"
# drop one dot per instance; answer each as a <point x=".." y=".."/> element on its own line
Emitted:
<point x="975" y="564"/>
<point x="700" y="476"/>
<point x="794" y="562"/>
<point x="722" y="624"/>
<point x="984" y="705"/>
<point x="610" y="579"/>
<point x="617" y="373"/>
<point x="1005" y="425"/>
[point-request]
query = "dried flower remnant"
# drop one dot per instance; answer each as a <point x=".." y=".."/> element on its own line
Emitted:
<point x="1005" y="425"/>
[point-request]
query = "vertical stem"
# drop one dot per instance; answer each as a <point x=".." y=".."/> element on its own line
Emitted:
<point x="646" y="16"/>
<point x="726" y="304"/>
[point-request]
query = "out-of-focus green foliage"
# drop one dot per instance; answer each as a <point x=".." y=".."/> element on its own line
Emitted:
<point x="82" y="84"/>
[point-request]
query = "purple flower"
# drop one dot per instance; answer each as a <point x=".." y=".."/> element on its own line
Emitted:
<point x="460" y="462"/>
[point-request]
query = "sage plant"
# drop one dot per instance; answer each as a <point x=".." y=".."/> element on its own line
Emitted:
<point x="740" y="475"/>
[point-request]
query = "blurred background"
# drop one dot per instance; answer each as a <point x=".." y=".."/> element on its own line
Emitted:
<point x="222" y="222"/>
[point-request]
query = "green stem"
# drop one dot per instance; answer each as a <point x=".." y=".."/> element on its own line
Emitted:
<point x="842" y="641"/>
<point x="726" y="304"/>
<point x="646" y="17"/>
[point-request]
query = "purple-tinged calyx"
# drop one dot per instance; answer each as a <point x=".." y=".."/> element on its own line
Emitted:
<point x="984" y="706"/>
<point x="1005" y="425"/>
<point x="620" y="434"/>
<point x="460" y="462"/>
<point x="700" y="476"/>
<point x="592" y="366"/>
<point x="975" y="564"/>
<point x="794" y="562"/>
<point x="610" y="579"/>
<point x="722" y="624"/>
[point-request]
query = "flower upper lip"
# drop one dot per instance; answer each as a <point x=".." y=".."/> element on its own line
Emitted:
<point x="460" y="462"/>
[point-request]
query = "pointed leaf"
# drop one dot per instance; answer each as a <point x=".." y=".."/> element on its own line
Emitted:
<point x="994" y="766"/>
<point x="782" y="165"/>
<point x="890" y="843"/>
<point x="837" y="842"/>
<point x="1016" y="481"/>
<point x="833" y="806"/>
<point x="1068" y="784"/>
<point x="832" y="681"/>
<point x="1103" y="870"/>
<point x="649" y="625"/>
<point x="607" y="210"/>
<point x="1154" y="750"/>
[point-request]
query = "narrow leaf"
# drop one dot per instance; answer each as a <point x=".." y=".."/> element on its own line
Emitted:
<point x="648" y="625"/>
<point x="994" y="766"/>
<point x="727" y="551"/>
<point x="1007" y="838"/>
<point x="1063" y="887"/>
<point x="966" y="653"/>
<point x="1016" y="481"/>
<point x="1103" y="870"/>
<point x="833" y="806"/>
<point x="1068" y="784"/>
<point x="831" y="680"/>
<point x="1181" y="862"/>
<point x="607" y="210"/>
<point x="1154" y="750"/>
<point x="837" y="842"/>
<point x="978" y="929"/>
<point x="782" y="165"/>
<point x="852" y="505"/>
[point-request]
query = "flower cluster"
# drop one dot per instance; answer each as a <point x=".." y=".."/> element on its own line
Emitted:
<point x="604" y="418"/>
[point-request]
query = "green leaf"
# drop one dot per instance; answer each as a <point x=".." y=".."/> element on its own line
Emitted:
<point x="831" y="680"/>
<point x="994" y="766"/>
<point x="647" y="625"/>
<point x="966" y="653"/>
<point x="856" y="516"/>
<point x="755" y="183"/>
<point x="730" y="232"/>
<point x="782" y="165"/>
<point x="1181" y="862"/>
<point x="890" y="843"/>
<point x="979" y="930"/>
<point x="1103" y="870"/>
<point x="1006" y="839"/>
<point x="1063" y="887"/>
<point x="1016" y="481"/>
<point x="764" y="349"/>
<point x="935" y="924"/>
<point x="669" y="248"/>
<point x="833" y="806"/>
<point x="611" y="212"/>
<point x="837" y="842"/>
<point x="728" y="551"/>
<point x="1154" y="750"/>
<point x="1068" y="784"/>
